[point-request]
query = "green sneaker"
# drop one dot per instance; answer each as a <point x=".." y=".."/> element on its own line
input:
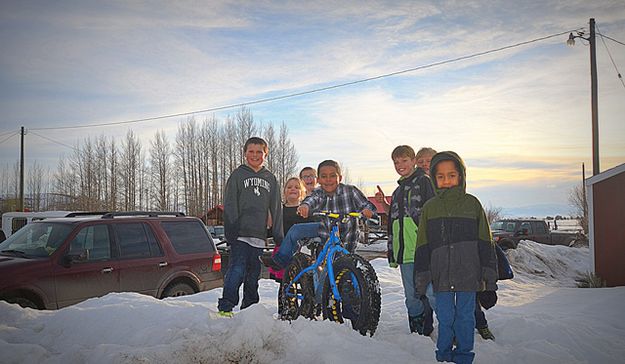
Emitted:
<point x="486" y="334"/>
<point x="228" y="314"/>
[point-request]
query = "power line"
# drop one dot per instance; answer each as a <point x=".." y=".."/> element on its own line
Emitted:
<point x="52" y="140"/>
<point x="7" y="133"/>
<point x="612" y="39"/>
<point x="317" y="90"/>
<point x="9" y="137"/>
<point x="611" y="59"/>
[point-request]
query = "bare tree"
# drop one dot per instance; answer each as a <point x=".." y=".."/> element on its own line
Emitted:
<point x="160" y="154"/>
<point x="111" y="201"/>
<point x="287" y="156"/>
<point x="244" y="129"/>
<point x="215" y="145"/>
<point x="493" y="213"/>
<point x="35" y="186"/>
<point x="273" y="158"/>
<point x="131" y="166"/>
<point x="577" y="199"/>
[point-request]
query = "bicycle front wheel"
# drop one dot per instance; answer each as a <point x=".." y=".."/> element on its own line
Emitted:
<point x="299" y="299"/>
<point x="359" y="289"/>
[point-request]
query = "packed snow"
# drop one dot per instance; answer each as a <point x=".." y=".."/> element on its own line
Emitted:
<point x="541" y="317"/>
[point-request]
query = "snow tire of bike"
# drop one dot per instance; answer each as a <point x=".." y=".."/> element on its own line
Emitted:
<point x="363" y="307"/>
<point x="292" y="307"/>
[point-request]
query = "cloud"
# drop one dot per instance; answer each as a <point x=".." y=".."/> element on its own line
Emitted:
<point x="517" y="114"/>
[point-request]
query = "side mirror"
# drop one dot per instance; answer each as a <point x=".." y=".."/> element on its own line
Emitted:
<point x="72" y="258"/>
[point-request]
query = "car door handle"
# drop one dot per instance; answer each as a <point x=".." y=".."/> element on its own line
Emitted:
<point x="163" y="264"/>
<point x="106" y="270"/>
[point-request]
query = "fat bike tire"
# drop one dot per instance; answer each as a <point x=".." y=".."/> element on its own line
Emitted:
<point x="359" y="288"/>
<point x="301" y="297"/>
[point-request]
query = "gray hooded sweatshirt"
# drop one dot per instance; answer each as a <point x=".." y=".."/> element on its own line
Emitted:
<point x="250" y="197"/>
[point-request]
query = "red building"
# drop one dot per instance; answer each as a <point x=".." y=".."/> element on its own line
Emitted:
<point x="606" y="224"/>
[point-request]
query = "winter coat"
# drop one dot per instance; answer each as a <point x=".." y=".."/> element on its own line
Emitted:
<point x="454" y="247"/>
<point x="403" y="224"/>
<point x="250" y="197"/>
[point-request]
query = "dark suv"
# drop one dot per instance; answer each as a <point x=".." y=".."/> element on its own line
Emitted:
<point x="54" y="263"/>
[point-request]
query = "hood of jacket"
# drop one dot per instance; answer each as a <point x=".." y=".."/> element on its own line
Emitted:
<point x="249" y="169"/>
<point x="449" y="156"/>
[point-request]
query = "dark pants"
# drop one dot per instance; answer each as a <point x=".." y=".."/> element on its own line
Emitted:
<point x="480" y="318"/>
<point x="243" y="268"/>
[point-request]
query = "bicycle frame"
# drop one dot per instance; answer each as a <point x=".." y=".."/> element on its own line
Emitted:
<point x="330" y="248"/>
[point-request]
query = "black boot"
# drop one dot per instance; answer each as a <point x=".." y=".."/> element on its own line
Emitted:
<point x="269" y="262"/>
<point x="416" y="324"/>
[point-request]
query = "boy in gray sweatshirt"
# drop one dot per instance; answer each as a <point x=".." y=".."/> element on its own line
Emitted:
<point x="252" y="197"/>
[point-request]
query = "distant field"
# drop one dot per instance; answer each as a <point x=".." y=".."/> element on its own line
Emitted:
<point x="566" y="225"/>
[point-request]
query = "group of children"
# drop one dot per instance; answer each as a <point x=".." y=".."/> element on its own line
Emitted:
<point x="439" y="236"/>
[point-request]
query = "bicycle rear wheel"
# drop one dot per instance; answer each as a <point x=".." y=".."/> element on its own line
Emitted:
<point x="359" y="289"/>
<point x="299" y="300"/>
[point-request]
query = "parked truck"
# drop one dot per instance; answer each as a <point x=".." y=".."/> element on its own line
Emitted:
<point x="508" y="232"/>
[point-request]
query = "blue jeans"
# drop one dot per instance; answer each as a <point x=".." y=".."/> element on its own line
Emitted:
<point x="456" y="318"/>
<point x="243" y="268"/>
<point x="290" y="242"/>
<point x="413" y="301"/>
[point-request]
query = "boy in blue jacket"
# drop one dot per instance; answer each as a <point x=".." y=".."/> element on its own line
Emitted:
<point x="455" y="253"/>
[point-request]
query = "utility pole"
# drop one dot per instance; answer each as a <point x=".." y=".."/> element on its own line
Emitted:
<point x="20" y="203"/>
<point x="593" y="94"/>
<point x="593" y="91"/>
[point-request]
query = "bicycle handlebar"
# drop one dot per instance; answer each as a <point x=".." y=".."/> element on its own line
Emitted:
<point x="355" y="215"/>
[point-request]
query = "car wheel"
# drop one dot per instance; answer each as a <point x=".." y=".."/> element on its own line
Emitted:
<point x="178" y="289"/>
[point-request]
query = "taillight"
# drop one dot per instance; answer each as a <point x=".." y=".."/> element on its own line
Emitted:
<point x="216" y="262"/>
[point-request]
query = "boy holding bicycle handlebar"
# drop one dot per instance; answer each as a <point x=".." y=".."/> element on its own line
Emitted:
<point x="332" y="196"/>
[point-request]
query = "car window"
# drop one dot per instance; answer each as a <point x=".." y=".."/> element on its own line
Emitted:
<point x="188" y="236"/>
<point x="92" y="242"/>
<point x="539" y="228"/>
<point x="37" y="239"/>
<point x="526" y="226"/>
<point x="134" y="240"/>
<point x="18" y="223"/>
<point x="510" y="227"/>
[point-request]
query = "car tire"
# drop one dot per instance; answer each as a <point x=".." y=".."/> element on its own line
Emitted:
<point x="177" y="290"/>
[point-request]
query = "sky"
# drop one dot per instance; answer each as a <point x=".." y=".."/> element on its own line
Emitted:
<point x="519" y="117"/>
<point x="540" y="317"/>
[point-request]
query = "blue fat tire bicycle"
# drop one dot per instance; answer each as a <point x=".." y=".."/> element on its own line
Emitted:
<point x="346" y="289"/>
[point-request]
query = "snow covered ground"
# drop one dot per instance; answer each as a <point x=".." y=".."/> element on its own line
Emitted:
<point x="540" y="318"/>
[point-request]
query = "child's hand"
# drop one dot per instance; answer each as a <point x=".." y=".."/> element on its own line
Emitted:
<point x="368" y="213"/>
<point x="379" y="196"/>
<point x="381" y="199"/>
<point x="302" y="210"/>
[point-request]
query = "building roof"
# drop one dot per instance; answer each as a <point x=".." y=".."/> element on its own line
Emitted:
<point x="605" y="175"/>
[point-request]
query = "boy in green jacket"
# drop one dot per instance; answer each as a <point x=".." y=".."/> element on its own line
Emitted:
<point x="455" y="253"/>
<point x="414" y="189"/>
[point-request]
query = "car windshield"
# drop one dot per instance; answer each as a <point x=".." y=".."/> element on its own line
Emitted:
<point x="219" y="231"/>
<point x="38" y="239"/>
<point x="503" y="225"/>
